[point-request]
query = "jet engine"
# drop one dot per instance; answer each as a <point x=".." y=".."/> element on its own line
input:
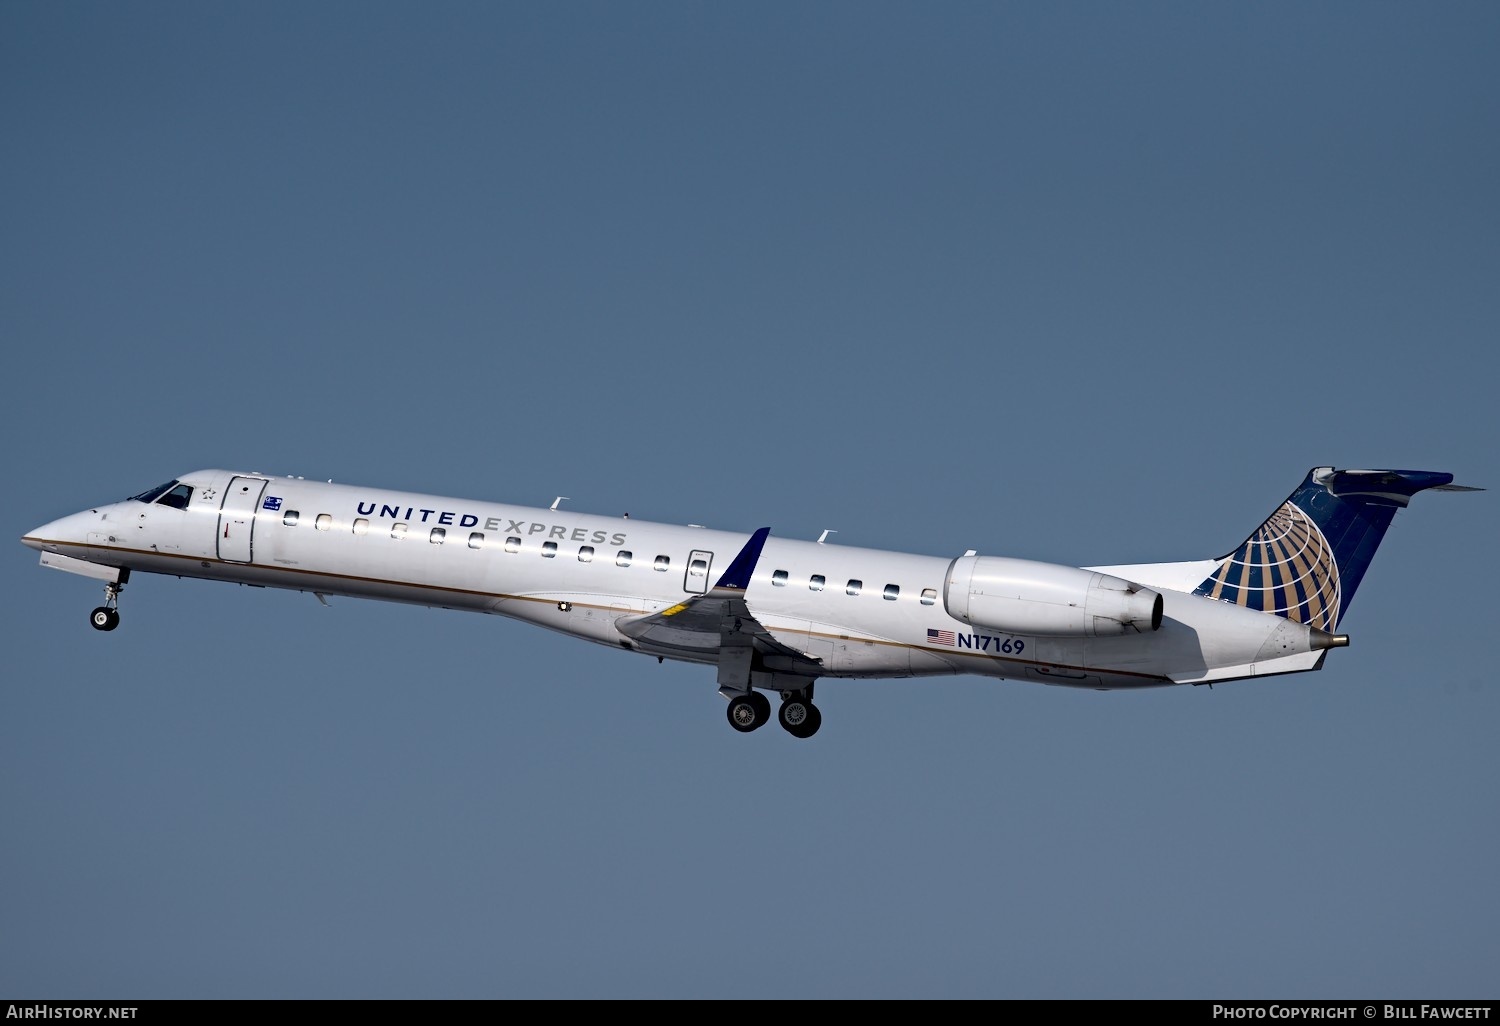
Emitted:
<point x="1022" y="596"/>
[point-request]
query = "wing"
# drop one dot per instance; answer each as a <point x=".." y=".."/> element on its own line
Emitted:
<point x="703" y="627"/>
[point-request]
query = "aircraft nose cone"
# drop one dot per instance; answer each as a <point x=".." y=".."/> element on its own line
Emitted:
<point x="65" y="530"/>
<point x="36" y="537"/>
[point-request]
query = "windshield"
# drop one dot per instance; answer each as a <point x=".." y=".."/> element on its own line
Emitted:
<point x="150" y="494"/>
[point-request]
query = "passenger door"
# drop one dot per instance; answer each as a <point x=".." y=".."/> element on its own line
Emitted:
<point x="237" y="519"/>
<point x="700" y="564"/>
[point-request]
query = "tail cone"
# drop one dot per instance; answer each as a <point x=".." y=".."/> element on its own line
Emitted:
<point x="1320" y="640"/>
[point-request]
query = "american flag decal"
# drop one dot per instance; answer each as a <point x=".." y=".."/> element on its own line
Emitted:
<point x="939" y="637"/>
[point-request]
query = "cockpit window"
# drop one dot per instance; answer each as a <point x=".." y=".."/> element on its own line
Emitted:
<point x="177" y="497"/>
<point x="171" y="494"/>
<point x="150" y="494"/>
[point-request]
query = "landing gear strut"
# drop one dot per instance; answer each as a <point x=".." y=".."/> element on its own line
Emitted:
<point x="107" y="616"/>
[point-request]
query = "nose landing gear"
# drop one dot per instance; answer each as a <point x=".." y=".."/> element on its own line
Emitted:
<point x="107" y="616"/>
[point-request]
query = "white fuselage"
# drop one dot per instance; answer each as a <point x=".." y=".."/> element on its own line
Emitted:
<point x="857" y="612"/>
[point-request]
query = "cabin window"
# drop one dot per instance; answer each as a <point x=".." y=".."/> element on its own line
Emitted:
<point x="697" y="568"/>
<point x="512" y="544"/>
<point x="892" y="591"/>
<point x="361" y="526"/>
<point x="586" y="554"/>
<point x="852" y="588"/>
<point x="622" y="558"/>
<point x="549" y="550"/>
<point x="662" y="563"/>
<point x="816" y="582"/>
<point x="476" y="540"/>
<point x="398" y="531"/>
<point x="289" y="518"/>
<point x="437" y="536"/>
<point x="779" y="578"/>
<point x="324" y="521"/>
<point x="929" y="596"/>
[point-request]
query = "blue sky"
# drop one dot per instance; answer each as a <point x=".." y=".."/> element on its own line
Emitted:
<point x="1093" y="283"/>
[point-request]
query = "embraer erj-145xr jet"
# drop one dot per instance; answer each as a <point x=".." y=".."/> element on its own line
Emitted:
<point x="771" y="614"/>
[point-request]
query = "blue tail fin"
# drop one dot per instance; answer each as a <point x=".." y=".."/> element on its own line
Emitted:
<point x="1307" y="559"/>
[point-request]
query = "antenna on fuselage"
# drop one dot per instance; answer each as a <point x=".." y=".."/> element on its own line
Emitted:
<point x="824" y="536"/>
<point x="555" y="501"/>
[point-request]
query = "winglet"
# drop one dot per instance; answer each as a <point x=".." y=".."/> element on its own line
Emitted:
<point x="737" y="577"/>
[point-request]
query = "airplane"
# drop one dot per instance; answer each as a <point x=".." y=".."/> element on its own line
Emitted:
<point x="771" y="614"/>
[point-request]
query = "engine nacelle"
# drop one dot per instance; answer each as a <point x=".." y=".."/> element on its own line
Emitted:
<point x="1022" y="596"/>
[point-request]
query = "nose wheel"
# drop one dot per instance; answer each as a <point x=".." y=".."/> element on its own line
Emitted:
<point x="107" y="616"/>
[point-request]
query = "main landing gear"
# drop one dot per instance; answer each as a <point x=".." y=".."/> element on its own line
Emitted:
<point x="798" y="716"/>
<point x="107" y="616"/>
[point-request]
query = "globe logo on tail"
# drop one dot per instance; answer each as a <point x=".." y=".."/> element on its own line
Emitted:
<point x="1286" y="567"/>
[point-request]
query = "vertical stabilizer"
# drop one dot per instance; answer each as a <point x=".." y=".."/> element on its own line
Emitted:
<point x="1307" y="559"/>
